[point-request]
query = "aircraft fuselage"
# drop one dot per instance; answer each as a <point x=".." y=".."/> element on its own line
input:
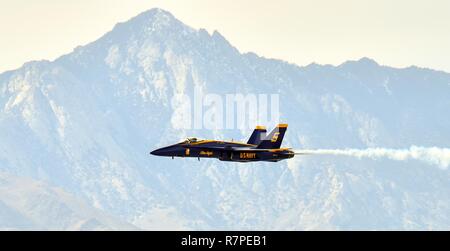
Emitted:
<point x="258" y="148"/>
<point x="224" y="151"/>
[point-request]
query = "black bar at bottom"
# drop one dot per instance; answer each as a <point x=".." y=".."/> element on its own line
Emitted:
<point x="146" y="240"/>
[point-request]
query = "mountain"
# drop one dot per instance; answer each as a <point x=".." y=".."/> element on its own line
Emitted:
<point x="26" y="204"/>
<point x="86" y="122"/>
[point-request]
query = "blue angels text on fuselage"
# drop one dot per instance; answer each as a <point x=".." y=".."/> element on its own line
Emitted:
<point x="258" y="148"/>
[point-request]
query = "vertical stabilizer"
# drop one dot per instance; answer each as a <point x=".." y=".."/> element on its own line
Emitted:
<point x="274" y="139"/>
<point x="258" y="135"/>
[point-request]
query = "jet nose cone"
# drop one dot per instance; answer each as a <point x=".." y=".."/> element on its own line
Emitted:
<point x="157" y="152"/>
<point x="168" y="151"/>
<point x="165" y="151"/>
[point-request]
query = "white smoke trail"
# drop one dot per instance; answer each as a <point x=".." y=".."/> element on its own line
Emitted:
<point x="432" y="155"/>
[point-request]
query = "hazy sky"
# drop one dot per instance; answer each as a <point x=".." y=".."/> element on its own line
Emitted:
<point x="397" y="33"/>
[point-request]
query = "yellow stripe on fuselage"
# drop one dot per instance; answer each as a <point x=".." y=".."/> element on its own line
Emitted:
<point x="279" y="150"/>
<point x="202" y="142"/>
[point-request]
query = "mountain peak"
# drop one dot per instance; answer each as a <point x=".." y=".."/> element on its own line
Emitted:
<point x="156" y="13"/>
<point x="148" y="24"/>
<point x="154" y="19"/>
<point x="368" y="61"/>
<point x="364" y="61"/>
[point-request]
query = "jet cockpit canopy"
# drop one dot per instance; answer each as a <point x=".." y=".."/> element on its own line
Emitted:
<point x="190" y="140"/>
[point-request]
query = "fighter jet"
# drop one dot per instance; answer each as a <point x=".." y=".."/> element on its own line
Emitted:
<point x="259" y="147"/>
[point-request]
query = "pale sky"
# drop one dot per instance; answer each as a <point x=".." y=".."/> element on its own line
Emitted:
<point x="398" y="33"/>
